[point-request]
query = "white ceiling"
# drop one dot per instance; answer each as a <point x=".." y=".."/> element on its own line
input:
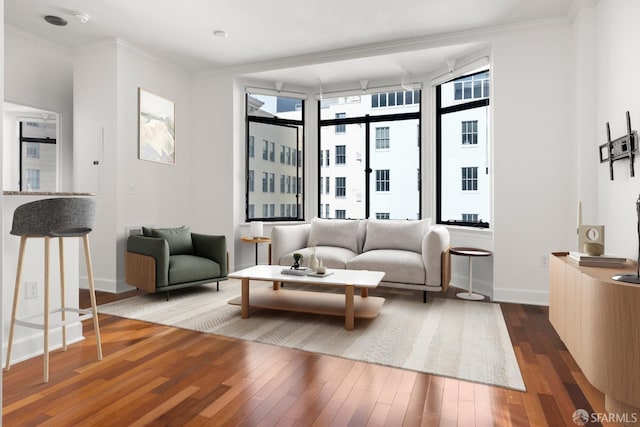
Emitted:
<point x="296" y="33"/>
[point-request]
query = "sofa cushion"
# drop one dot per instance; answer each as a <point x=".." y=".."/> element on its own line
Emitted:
<point x="332" y="257"/>
<point x="395" y="234"/>
<point x="342" y="233"/>
<point x="399" y="266"/>
<point x="191" y="268"/>
<point x="179" y="239"/>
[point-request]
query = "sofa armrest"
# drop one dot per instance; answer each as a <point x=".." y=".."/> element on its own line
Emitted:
<point x="434" y="244"/>
<point x="288" y="238"/>
<point x="155" y="247"/>
<point x="213" y="248"/>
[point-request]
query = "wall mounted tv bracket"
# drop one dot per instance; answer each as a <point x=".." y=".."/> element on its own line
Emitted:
<point x="620" y="148"/>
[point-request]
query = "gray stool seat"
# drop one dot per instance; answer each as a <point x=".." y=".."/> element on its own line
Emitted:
<point x="54" y="218"/>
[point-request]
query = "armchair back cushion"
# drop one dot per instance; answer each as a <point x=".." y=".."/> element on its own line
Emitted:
<point x="179" y="239"/>
<point x="395" y="234"/>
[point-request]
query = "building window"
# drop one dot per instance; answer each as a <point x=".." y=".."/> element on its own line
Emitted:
<point x="341" y="128"/>
<point x="33" y="179"/>
<point x="462" y="120"/>
<point x="341" y="154"/>
<point x="251" y="211"/>
<point x="341" y="213"/>
<point x="326" y="185"/>
<point x="469" y="217"/>
<point x="382" y="138"/>
<point x="33" y="151"/>
<point x="251" y="149"/>
<point x="276" y="124"/>
<point x="326" y="156"/>
<point x="470" y="132"/>
<point x="472" y="87"/>
<point x="382" y="180"/>
<point x="327" y="210"/>
<point x="469" y="179"/>
<point x="382" y="215"/>
<point x="251" y="183"/>
<point x="341" y="186"/>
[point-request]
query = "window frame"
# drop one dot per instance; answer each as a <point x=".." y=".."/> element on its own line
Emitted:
<point x="299" y="205"/>
<point x="440" y="111"/>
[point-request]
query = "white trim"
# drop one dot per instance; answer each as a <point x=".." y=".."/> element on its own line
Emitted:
<point x="263" y="91"/>
<point x="520" y="296"/>
<point x="461" y="71"/>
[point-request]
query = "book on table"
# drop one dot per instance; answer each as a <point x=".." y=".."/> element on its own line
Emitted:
<point x="583" y="259"/>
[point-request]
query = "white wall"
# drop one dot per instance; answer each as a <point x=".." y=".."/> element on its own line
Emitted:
<point x="534" y="159"/>
<point x="39" y="74"/>
<point x="618" y="91"/>
<point x="217" y="188"/>
<point x="131" y="192"/>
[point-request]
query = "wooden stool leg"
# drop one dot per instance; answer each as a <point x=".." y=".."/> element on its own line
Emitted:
<point x="62" y="302"/>
<point x="16" y="295"/>
<point x="46" y="309"/>
<point x="92" y="294"/>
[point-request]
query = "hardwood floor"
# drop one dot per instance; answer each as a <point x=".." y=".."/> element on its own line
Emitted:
<point x="158" y="375"/>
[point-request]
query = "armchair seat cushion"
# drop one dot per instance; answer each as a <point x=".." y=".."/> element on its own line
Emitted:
<point x="399" y="266"/>
<point x="191" y="268"/>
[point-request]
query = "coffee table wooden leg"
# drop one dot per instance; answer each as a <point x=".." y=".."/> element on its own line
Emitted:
<point x="276" y="286"/>
<point x="245" y="298"/>
<point x="364" y="292"/>
<point x="349" y="311"/>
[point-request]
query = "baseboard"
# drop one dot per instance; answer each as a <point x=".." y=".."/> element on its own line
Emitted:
<point x="31" y="345"/>
<point x="521" y="296"/>
<point x="479" y="286"/>
<point x="103" y="285"/>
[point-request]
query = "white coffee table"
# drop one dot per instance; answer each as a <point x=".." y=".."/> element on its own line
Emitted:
<point x="350" y="306"/>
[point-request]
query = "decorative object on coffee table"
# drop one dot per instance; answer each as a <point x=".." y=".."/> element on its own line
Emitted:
<point x="591" y="239"/>
<point x="297" y="259"/>
<point x="633" y="278"/>
<point x="470" y="253"/>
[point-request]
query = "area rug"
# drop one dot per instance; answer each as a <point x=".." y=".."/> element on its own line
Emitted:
<point x="453" y="338"/>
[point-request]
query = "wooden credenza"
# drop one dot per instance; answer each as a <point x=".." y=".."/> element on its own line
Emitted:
<point x="598" y="319"/>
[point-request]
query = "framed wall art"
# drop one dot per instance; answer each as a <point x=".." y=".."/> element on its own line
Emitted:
<point x="157" y="128"/>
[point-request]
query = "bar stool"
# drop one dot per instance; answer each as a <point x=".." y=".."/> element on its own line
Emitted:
<point x="50" y="218"/>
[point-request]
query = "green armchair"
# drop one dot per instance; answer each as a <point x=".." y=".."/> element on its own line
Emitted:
<point x="164" y="259"/>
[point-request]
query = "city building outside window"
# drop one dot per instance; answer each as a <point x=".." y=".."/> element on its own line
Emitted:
<point x="469" y="179"/>
<point x="382" y="138"/>
<point x="341" y="154"/>
<point x="462" y="150"/>
<point x="278" y="123"/>
<point x="341" y="186"/>
<point x="369" y="120"/>
<point x="382" y="180"/>
<point x="469" y="217"/>
<point x="469" y="132"/>
<point x="341" y="128"/>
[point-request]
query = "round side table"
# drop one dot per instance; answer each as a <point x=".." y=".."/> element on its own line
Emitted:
<point x="470" y="253"/>
<point x="257" y="241"/>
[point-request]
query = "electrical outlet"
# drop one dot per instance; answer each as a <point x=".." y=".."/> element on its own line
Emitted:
<point x="31" y="290"/>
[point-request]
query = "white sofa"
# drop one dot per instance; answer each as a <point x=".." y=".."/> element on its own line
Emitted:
<point x="412" y="253"/>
